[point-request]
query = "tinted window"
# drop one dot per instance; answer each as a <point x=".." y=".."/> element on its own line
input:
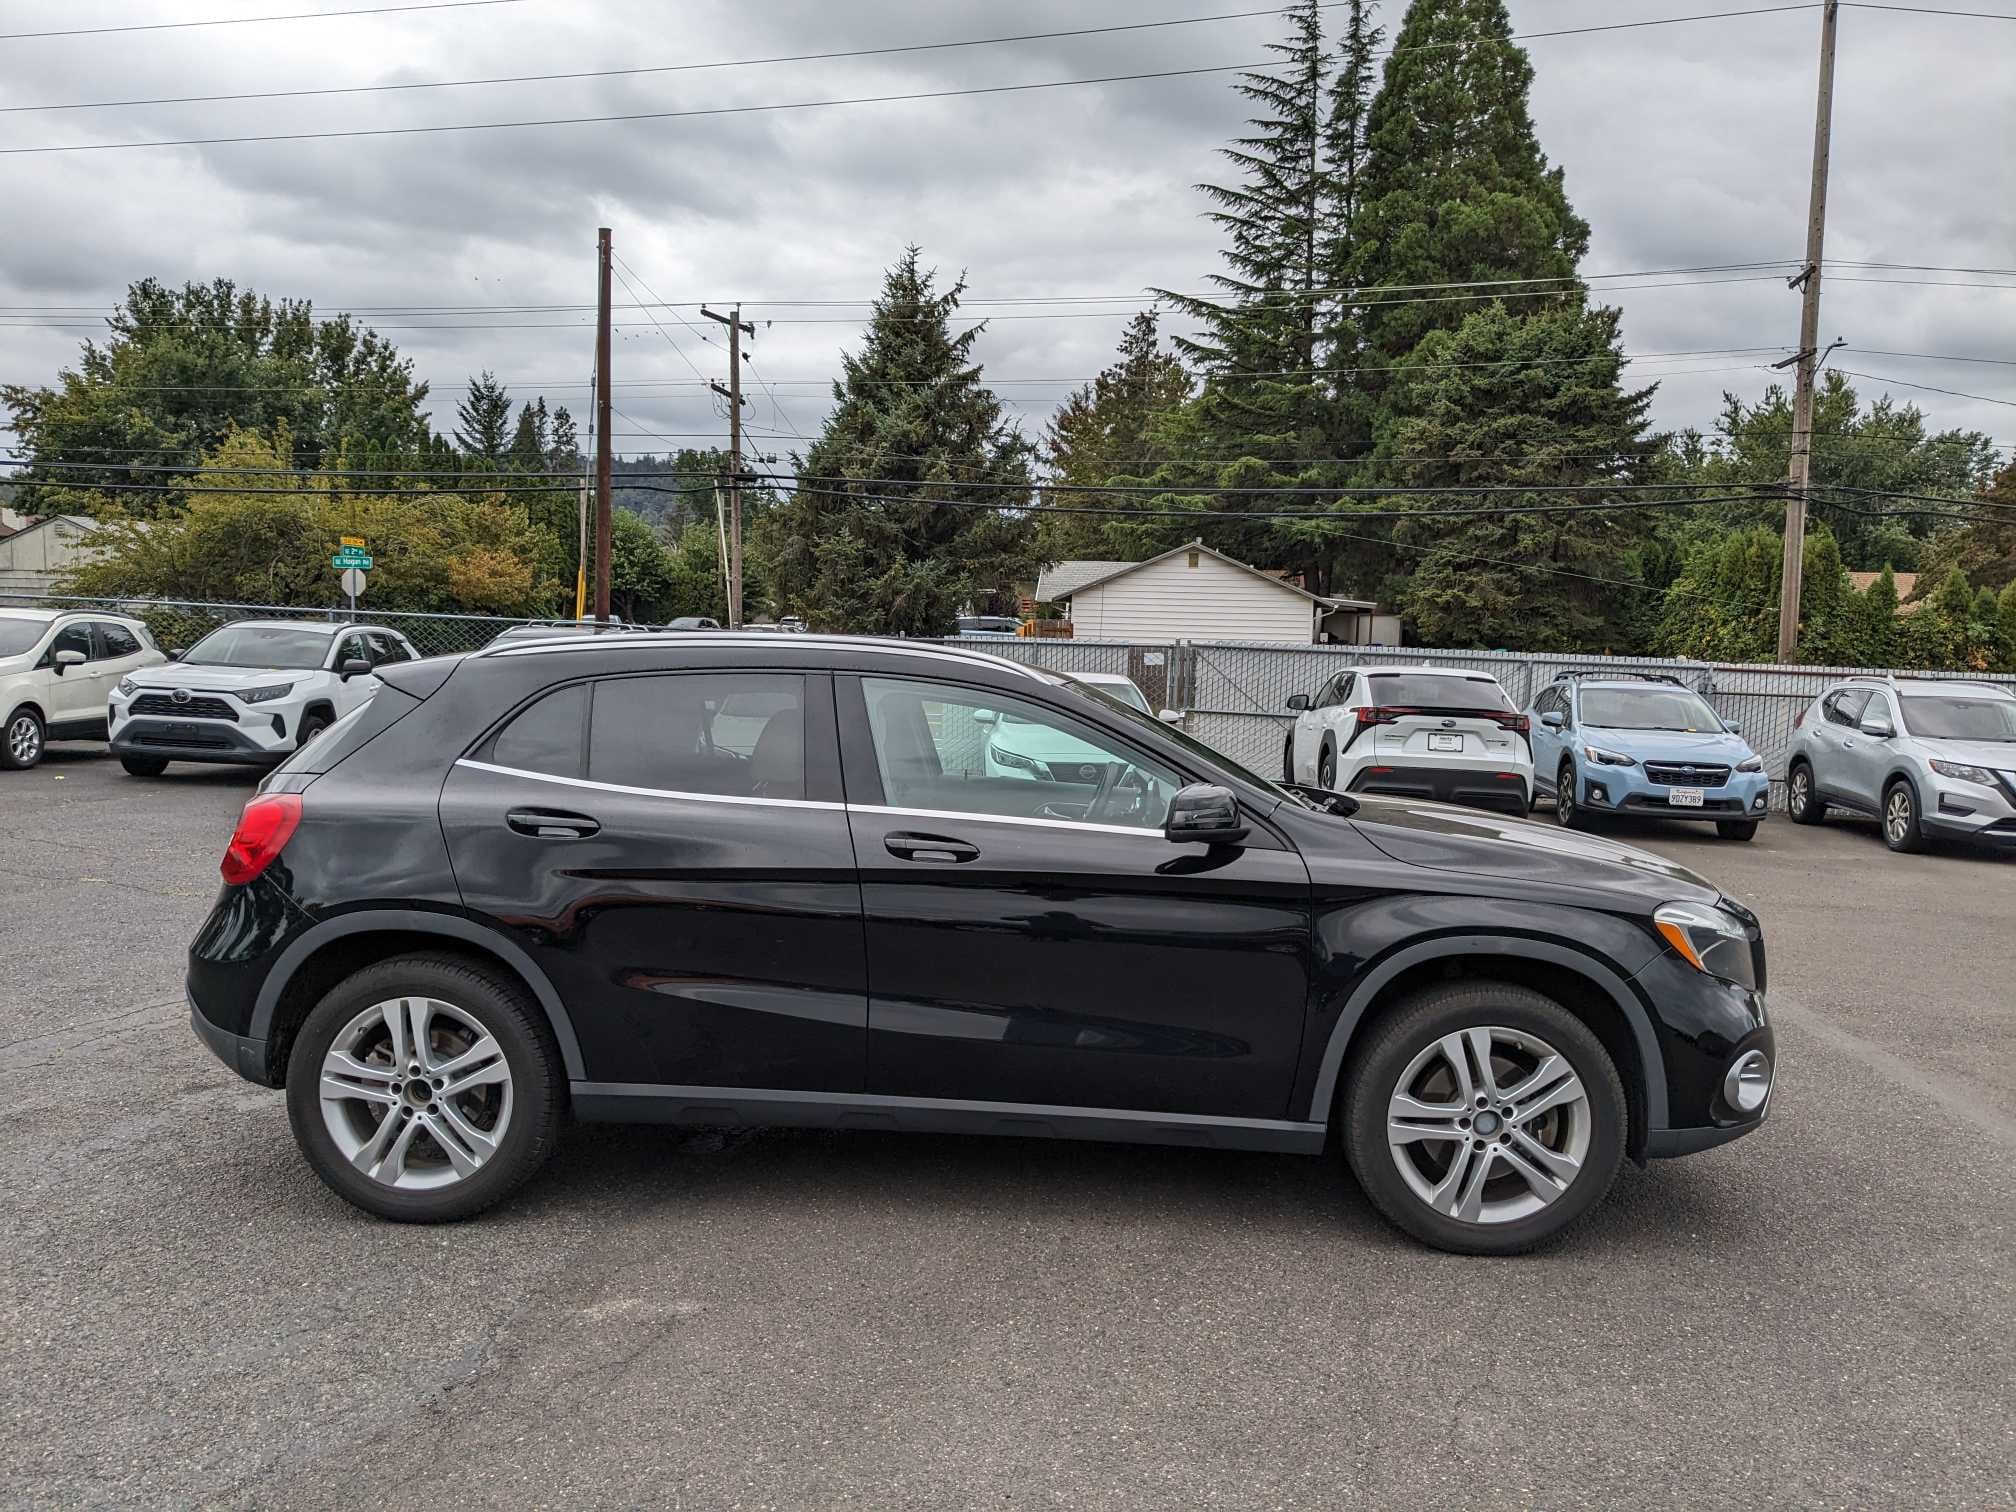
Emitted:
<point x="260" y="646"/>
<point x="1428" y="690"/>
<point x="376" y="714"/>
<point x="117" y="640"/>
<point x="18" y="635"/>
<point x="1947" y="717"/>
<point x="1651" y="707"/>
<point x="734" y="734"/>
<point x="1845" y="707"/>
<point x="385" y="648"/>
<point x="546" y="737"/>
<point x="73" y="637"/>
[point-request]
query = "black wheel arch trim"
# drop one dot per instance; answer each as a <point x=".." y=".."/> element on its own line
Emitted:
<point x="402" y="921"/>
<point x="1451" y="946"/>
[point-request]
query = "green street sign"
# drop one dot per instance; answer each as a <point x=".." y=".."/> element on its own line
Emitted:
<point x="348" y="558"/>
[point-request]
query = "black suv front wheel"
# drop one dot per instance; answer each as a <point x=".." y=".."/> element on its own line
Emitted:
<point x="424" y="1089"/>
<point x="1483" y="1118"/>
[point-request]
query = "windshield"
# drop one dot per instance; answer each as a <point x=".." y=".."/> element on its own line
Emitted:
<point x="1949" y="718"/>
<point x="1124" y="692"/>
<point x="1647" y="709"/>
<point x="1429" y="690"/>
<point x="260" y="646"/>
<point x="18" y="635"/>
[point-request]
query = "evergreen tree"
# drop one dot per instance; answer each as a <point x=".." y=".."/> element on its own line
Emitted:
<point x="531" y="439"/>
<point x="1724" y="605"/>
<point x="2005" y="617"/>
<point x="862" y="543"/>
<point x="1878" y="606"/>
<point x="1345" y="141"/>
<point x="1108" y="428"/>
<point x="564" y="449"/>
<point x="483" y="420"/>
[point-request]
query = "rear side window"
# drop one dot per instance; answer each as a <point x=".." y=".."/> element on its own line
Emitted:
<point x="349" y="734"/>
<point x="117" y="640"/>
<point x="546" y="737"/>
<point x="1425" y="690"/>
<point x="730" y="734"/>
<point x="1845" y="707"/>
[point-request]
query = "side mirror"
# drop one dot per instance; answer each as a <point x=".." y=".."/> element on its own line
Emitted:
<point x="176" y="653"/>
<point x="1203" y="814"/>
<point x="1298" y="701"/>
<point x="985" y="717"/>
<point x="67" y="659"/>
<point x="1170" y="716"/>
<point x="1552" y="720"/>
<point x="1732" y="727"/>
<point x="1878" y="729"/>
<point x="354" y="666"/>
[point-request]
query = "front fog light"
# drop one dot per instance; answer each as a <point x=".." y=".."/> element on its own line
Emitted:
<point x="1748" y="1082"/>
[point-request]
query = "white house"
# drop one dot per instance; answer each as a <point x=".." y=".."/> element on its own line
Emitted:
<point x="1195" y="593"/>
<point x="32" y="558"/>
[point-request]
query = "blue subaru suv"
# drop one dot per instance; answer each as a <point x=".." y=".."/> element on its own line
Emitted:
<point x="1629" y="743"/>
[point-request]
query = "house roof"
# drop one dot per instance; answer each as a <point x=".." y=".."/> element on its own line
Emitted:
<point x="1112" y="570"/>
<point x="1061" y="579"/>
<point x="1906" y="581"/>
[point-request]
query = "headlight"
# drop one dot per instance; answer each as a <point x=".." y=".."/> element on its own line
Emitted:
<point x="1753" y="764"/>
<point x="1019" y="762"/>
<point x="266" y="694"/>
<point x="1608" y="758"/>
<point x="1960" y="771"/>
<point x="127" y="687"/>
<point x="1708" y="940"/>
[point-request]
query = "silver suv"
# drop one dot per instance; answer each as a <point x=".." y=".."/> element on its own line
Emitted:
<point x="1931" y="759"/>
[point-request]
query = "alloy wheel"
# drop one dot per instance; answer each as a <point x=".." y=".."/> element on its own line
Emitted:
<point x="416" y="1093"/>
<point x="24" y="741"/>
<point x="1801" y="793"/>
<point x="1564" y="796"/>
<point x="1489" y="1125"/>
<point x="1326" y="772"/>
<point x="1899" y="819"/>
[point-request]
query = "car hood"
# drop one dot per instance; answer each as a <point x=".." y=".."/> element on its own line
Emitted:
<point x="1671" y="745"/>
<point x="1996" y="755"/>
<point x="214" y="679"/>
<point x="1044" y="743"/>
<point x="9" y="665"/>
<point x="1446" y="838"/>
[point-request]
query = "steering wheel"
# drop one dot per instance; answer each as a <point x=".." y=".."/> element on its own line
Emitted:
<point x="1104" y="805"/>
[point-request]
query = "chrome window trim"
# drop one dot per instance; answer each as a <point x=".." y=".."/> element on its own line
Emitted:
<point x="960" y="816"/>
<point x="645" y="792"/>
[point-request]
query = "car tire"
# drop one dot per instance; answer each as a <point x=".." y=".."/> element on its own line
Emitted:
<point x="1567" y="812"/>
<point x="144" y="766"/>
<point x="419" y="1180"/>
<point x="1326" y="768"/>
<point x="1736" y="829"/>
<point x="23" y="741"/>
<point x="1803" y="803"/>
<point x="1288" y="758"/>
<point x="1902" y="830"/>
<point x="311" y="726"/>
<point x="1584" y="1132"/>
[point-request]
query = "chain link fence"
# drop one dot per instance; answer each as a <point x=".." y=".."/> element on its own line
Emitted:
<point x="183" y="622"/>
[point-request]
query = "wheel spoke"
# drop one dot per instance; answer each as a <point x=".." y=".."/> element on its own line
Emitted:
<point x="1409" y="1119"/>
<point x="1562" y="1090"/>
<point x="1443" y="1196"/>
<point x="482" y="1063"/>
<point x="1541" y="1182"/>
<point x="1470" y="1201"/>
<point x="344" y="1076"/>
<point x="383" y="1156"/>
<point x="1562" y="1168"/>
<point x="1458" y="1058"/>
<point x="465" y="1145"/>
<point x="1480" y="1045"/>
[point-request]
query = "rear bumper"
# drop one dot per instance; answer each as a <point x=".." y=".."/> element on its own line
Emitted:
<point x="195" y="740"/>
<point x="1473" y="787"/>
<point x="245" y="1056"/>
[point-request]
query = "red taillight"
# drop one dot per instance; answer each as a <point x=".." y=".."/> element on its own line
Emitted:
<point x="1519" y="724"/>
<point x="264" y="829"/>
<point x="1369" y="715"/>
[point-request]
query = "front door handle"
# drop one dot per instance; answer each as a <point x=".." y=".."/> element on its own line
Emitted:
<point x="552" y="824"/>
<point x="933" y="848"/>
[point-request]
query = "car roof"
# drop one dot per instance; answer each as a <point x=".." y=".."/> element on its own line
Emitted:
<point x="45" y="615"/>
<point x="691" y="639"/>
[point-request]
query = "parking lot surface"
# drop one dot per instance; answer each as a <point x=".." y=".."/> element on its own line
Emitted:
<point x="1822" y="1314"/>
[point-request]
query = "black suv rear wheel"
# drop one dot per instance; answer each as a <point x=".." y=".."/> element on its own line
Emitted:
<point x="424" y="1089"/>
<point x="1483" y="1118"/>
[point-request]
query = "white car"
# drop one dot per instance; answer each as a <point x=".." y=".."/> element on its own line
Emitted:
<point x="249" y="693"/>
<point x="56" y="670"/>
<point x="1415" y="732"/>
<point x="1046" y="753"/>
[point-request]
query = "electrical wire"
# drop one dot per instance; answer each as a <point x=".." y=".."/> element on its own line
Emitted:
<point x="1928" y="388"/>
<point x="150" y="26"/>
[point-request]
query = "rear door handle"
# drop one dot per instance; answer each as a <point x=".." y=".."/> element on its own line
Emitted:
<point x="933" y="848"/>
<point x="552" y="824"/>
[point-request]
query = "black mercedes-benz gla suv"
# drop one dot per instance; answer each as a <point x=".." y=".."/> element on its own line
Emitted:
<point x="723" y="879"/>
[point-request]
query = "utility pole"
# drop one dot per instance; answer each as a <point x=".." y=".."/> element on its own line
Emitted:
<point x="1806" y="357"/>
<point x="737" y="328"/>
<point x="602" y="434"/>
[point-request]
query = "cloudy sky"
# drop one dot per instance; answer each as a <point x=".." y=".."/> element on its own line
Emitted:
<point x="1685" y="146"/>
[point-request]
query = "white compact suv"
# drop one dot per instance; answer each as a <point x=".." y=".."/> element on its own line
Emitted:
<point x="1415" y="732"/>
<point x="249" y="693"/>
<point x="56" y="669"/>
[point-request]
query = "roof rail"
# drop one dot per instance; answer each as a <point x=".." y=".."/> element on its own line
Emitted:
<point x="1608" y="675"/>
<point x="1884" y="678"/>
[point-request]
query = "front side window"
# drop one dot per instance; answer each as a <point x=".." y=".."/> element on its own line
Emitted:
<point x="281" y="646"/>
<point x="955" y="750"/>
<point x="1876" y="710"/>
<point x="1647" y="708"/>
<point x="72" y="637"/>
<point x="1845" y="707"/>
<point x="1953" y="717"/>
<point x="728" y="734"/>
<point x="385" y="649"/>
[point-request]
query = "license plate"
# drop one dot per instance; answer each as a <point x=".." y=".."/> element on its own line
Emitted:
<point x="1445" y="742"/>
<point x="1685" y="797"/>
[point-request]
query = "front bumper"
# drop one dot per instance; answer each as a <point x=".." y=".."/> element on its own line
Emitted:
<point x="197" y="740"/>
<point x="1627" y="790"/>
<point x="1494" y="788"/>
<point x="1704" y="1025"/>
<point x="1970" y="811"/>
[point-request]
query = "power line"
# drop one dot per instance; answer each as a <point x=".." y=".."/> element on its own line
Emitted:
<point x="1933" y="356"/>
<point x="1928" y="10"/>
<point x="375" y="10"/>
<point x="690" y="363"/>
<point x="1298" y="489"/>
<point x="1928" y="388"/>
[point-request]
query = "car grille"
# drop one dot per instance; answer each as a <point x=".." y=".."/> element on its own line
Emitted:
<point x="196" y="740"/>
<point x="161" y="705"/>
<point x="1677" y="774"/>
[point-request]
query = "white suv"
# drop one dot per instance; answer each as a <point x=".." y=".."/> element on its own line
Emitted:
<point x="55" y="671"/>
<point x="1414" y="732"/>
<point x="249" y="693"/>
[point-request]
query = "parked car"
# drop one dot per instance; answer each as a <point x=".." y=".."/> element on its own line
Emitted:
<point x="694" y="622"/>
<point x="1624" y="743"/>
<point x="561" y="630"/>
<point x="712" y="880"/>
<point x="1414" y="732"/>
<point x="1932" y="758"/>
<point x="1038" y="752"/>
<point x="56" y="669"/>
<point x="249" y="693"/>
<point x="988" y="626"/>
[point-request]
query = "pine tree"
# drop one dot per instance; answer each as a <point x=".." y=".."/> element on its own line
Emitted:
<point x="530" y="440"/>
<point x="913" y="422"/>
<point x="1108" y="429"/>
<point x="1345" y="133"/>
<point x="565" y="448"/>
<point x="1879" y="647"/>
<point x="483" y="420"/>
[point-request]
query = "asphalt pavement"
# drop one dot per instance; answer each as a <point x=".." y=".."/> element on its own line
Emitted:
<point x="1821" y="1314"/>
